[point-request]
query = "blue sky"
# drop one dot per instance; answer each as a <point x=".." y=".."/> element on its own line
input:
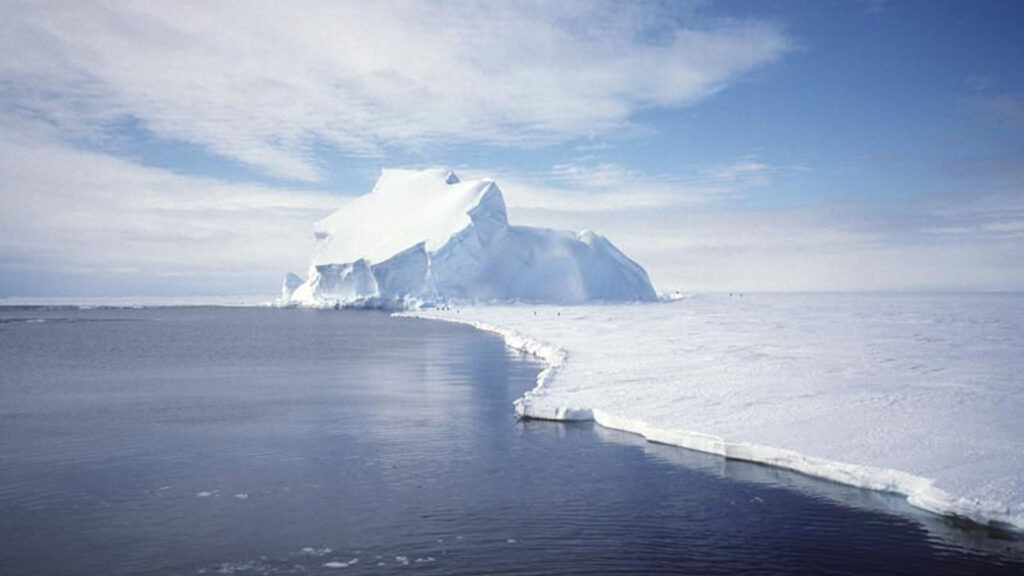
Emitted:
<point x="187" y="149"/>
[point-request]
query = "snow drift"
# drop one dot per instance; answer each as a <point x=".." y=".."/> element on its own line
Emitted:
<point x="425" y="236"/>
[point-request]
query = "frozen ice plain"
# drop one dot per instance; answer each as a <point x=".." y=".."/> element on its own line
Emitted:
<point x="921" y="395"/>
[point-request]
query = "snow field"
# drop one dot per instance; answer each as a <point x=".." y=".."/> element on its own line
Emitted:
<point x="922" y="395"/>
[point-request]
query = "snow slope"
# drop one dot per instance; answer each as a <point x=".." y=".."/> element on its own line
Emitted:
<point x="404" y="208"/>
<point x="921" y="395"/>
<point x="423" y="236"/>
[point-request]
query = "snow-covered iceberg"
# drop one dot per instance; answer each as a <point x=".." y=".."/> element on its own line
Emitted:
<point x="426" y="236"/>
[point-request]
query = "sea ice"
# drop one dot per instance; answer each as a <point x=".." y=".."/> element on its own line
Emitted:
<point x="921" y="395"/>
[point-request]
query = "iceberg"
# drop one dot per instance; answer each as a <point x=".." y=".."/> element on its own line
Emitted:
<point x="425" y="237"/>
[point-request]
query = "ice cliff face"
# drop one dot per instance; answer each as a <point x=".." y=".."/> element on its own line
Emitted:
<point x="424" y="236"/>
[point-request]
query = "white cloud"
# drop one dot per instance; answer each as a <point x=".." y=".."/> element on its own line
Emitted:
<point x="1006" y="227"/>
<point x="590" y="188"/>
<point x="606" y="186"/>
<point x="108" y="223"/>
<point x="958" y="242"/>
<point x="266" y="82"/>
<point x="741" y="172"/>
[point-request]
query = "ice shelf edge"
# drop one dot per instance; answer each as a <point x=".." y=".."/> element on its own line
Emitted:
<point x="919" y="491"/>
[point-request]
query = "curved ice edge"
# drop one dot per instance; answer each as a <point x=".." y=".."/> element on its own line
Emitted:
<point x="920" y="492"/>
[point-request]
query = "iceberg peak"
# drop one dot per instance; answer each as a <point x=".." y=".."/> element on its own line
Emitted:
<point x="425" y="235"/>
<point x="404" y="208"/>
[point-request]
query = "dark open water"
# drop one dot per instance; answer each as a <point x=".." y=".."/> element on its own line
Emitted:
<point x="261" y="441"/>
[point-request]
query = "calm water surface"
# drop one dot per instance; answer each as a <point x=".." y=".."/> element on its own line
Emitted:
<point x="261" y="441"/>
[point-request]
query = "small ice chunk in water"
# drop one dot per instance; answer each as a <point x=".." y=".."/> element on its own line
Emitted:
<point x="242" y="496"/>
<point x="341" y="564"/>
<point x="403" y="560"/>
<point x="207" y="493"/>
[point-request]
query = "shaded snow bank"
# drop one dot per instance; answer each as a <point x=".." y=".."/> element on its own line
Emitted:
<point x="922" y="395"/>
<point x="425" y="236"/>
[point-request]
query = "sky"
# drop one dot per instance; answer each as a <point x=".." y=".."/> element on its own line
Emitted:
<point x="186" y="148"/>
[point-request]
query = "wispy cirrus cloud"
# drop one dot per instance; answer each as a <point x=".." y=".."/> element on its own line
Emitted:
<point x="589" y="186"/>
<point x="268" y="83"/>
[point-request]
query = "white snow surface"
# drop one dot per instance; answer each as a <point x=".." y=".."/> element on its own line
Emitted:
<point x="404" y="208"/>
<point x="426" y="236"/>
<point x="921" y="395"/>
